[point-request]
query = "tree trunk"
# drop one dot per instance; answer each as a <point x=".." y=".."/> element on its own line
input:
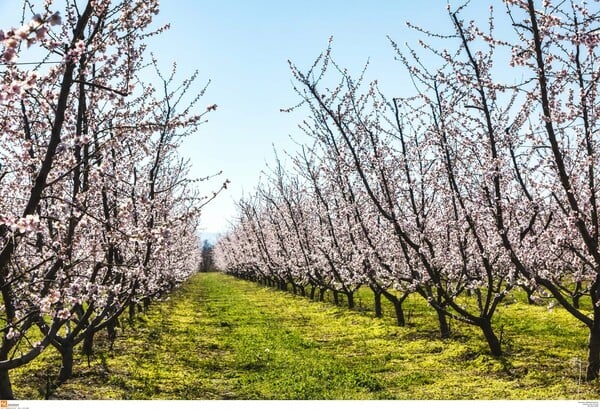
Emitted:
<point x="336" y="299"/>
<point x="443" y="321"/>
<point x="111" y="329"/>
<point x="131" y="313"/>
<point x="350" y="296"/>
<point x="66" y="369"/>
<point x="6" y="392"/>
<point x="397" y="302"/>
<point x="378" y="309"/>
<point x="529" y="293"/>
<point x="313" y="289"/>
<point x="399" y="312"/>
<point x="491" y="338"/>
<point x="88" y="345"/>
<point x="302" y="291"/>
<point x="593" y="367"/>
<point x="322" y="294"/>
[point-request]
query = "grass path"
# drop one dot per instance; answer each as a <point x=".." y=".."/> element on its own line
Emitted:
<point x="221" y="338"/>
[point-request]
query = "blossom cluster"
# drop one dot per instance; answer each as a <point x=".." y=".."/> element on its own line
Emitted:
<point x="30" y="33"/>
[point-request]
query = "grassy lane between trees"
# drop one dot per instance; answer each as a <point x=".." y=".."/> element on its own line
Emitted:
<point x="222" y="338"/>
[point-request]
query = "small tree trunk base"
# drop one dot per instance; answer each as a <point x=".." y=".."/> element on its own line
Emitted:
<point x="66" y="369"/>
<point x="593" y="368"/>
<point x="350" y="297"/>
<point x="378" y="309"/>
<point x="443" y="323"/>
<point x="6" y="392"/>
<point x="492" y="339"/>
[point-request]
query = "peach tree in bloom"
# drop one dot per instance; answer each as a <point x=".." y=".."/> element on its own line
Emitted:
<point x="98" y="212"/>
<point x="483" y="181"/>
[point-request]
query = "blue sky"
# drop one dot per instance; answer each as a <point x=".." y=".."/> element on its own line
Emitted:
<point x="243" y="48"/>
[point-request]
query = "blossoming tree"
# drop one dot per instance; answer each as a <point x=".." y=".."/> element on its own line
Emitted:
<point x="98" y="208"/>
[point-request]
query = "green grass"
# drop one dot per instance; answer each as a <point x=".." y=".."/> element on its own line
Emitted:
<point x="221" y="338"/>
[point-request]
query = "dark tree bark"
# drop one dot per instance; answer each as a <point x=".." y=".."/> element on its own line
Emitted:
<point x="131" y="309"/>
<point x="378" y="309"/>
<point x="350" y="296"/>
<point x="88" y="344"/>
<point x="491" y="338"/>
<point x="6" y="392"/>
<point x="529" y="293"/>
<point x="111" y="329"/>
<point x="397" y="303"/>
<point x="66" y="369"/>
<point x="443" y="323"/>
<point x="593" y="368"/>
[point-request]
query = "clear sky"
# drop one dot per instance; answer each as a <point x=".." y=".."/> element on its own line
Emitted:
<point x="243" y="46"/>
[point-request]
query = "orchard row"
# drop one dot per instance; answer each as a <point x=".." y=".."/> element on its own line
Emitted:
<point x="97" y="213"/>
<point x="474" y="186"/>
